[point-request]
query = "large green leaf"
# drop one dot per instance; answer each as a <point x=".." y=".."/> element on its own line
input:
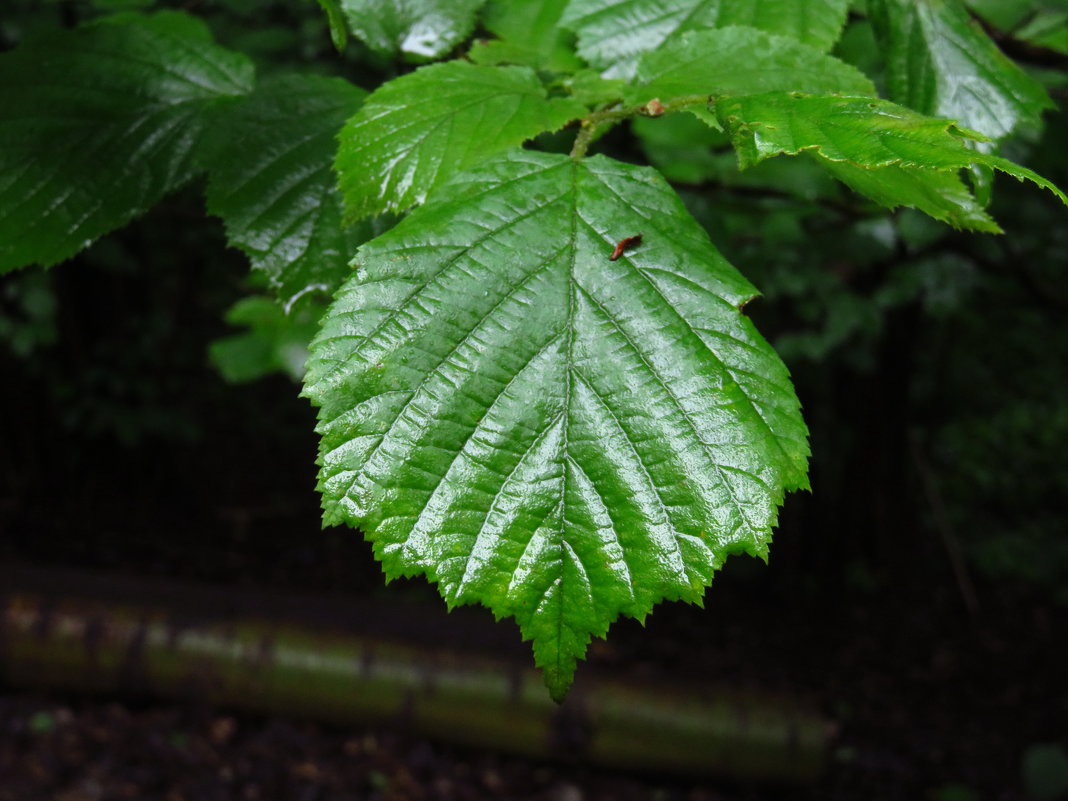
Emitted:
<point x="939" y="62"/>
<point x="416" y="131"/>
<point x="613" y="34"/>
<point x="99" y="123"/>
<point x="861" y="132"/>
<point x="536" y="427"/>
<point x="741" y="61"/>
<point x="423" y="29"/>
<point x="271" y="181"/>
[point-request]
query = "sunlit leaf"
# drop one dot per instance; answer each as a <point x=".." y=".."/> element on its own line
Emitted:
<point x="863" y="130"/>
<point x="339" y="33"/>
<point x="938" y="193"/>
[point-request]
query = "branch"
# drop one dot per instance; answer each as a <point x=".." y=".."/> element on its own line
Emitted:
<point x="62" y="642"/>
<point x="610" y="116"/>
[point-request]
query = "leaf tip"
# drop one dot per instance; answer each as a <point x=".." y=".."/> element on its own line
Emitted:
<point x="558" y="685"/>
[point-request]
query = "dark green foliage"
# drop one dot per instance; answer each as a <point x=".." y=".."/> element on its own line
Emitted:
<point x="939" y="62"/>
<point x="418" y="130"/>
<point x="270" y="181"/>
<point x="98" y="124"/>
<point x="613" y="34"/>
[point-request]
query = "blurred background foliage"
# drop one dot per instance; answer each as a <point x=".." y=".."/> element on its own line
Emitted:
<point x="931" y="363"/>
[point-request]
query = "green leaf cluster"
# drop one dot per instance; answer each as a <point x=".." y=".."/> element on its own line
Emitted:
<point x="539" y="388"/>
<point x="99" y="124"/>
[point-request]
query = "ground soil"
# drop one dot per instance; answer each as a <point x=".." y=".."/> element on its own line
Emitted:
<point x="928" y="702"/>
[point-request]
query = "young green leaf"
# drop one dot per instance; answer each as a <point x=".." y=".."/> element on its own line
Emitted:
<point x="863" y="130"/>
<point x="741" y="61"/>
<point x="272" y="342"/>
<point x="859" y="132"/>
<point x="339" y="33"/>
<point x="528" y="33"/>
<point x="557" y="435"/>
<point x="416" y="131"/>
<point x="99" y="123"/>
<point x="1047" y="29"/>
<point x="423" y="29"/>
<point x="939" y="62"/>
<point x="590" y="88"/>
<point x="270" y="180"/>
<point x="939" y="193"/>
<point x="614" y="34"/>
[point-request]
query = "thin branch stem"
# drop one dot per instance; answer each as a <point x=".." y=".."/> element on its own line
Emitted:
<point x="610" y="116"/>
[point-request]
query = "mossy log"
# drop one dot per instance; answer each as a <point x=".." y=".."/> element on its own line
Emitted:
<point x="281" y="667"/>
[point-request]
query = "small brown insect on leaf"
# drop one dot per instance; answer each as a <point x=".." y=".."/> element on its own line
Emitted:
<point x="625" y="244"/>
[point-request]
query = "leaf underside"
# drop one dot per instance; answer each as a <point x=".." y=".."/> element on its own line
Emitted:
<point x="538" y="428"/>
<point x="939" y="62"/>
<point x="420" y="29"/>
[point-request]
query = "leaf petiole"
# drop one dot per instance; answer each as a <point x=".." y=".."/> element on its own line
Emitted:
<point x="610" y="116"/>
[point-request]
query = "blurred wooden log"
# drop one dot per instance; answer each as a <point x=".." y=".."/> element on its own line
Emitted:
<point x="276" y="666"/>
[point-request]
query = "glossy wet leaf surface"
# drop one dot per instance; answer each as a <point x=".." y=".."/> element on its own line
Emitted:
<point x="854" y="133"/>
<point x="271" y="181"/>
<point x="940" y="62"/>
<point x="99" y="123"/>
<point x="416" y="131"/>
<point x="420" y="29"/>
<point x="741" y="61"/>
<point x="614" y="34"/>
<point x="535" y="427"/>
<point x="862" y="130"/>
